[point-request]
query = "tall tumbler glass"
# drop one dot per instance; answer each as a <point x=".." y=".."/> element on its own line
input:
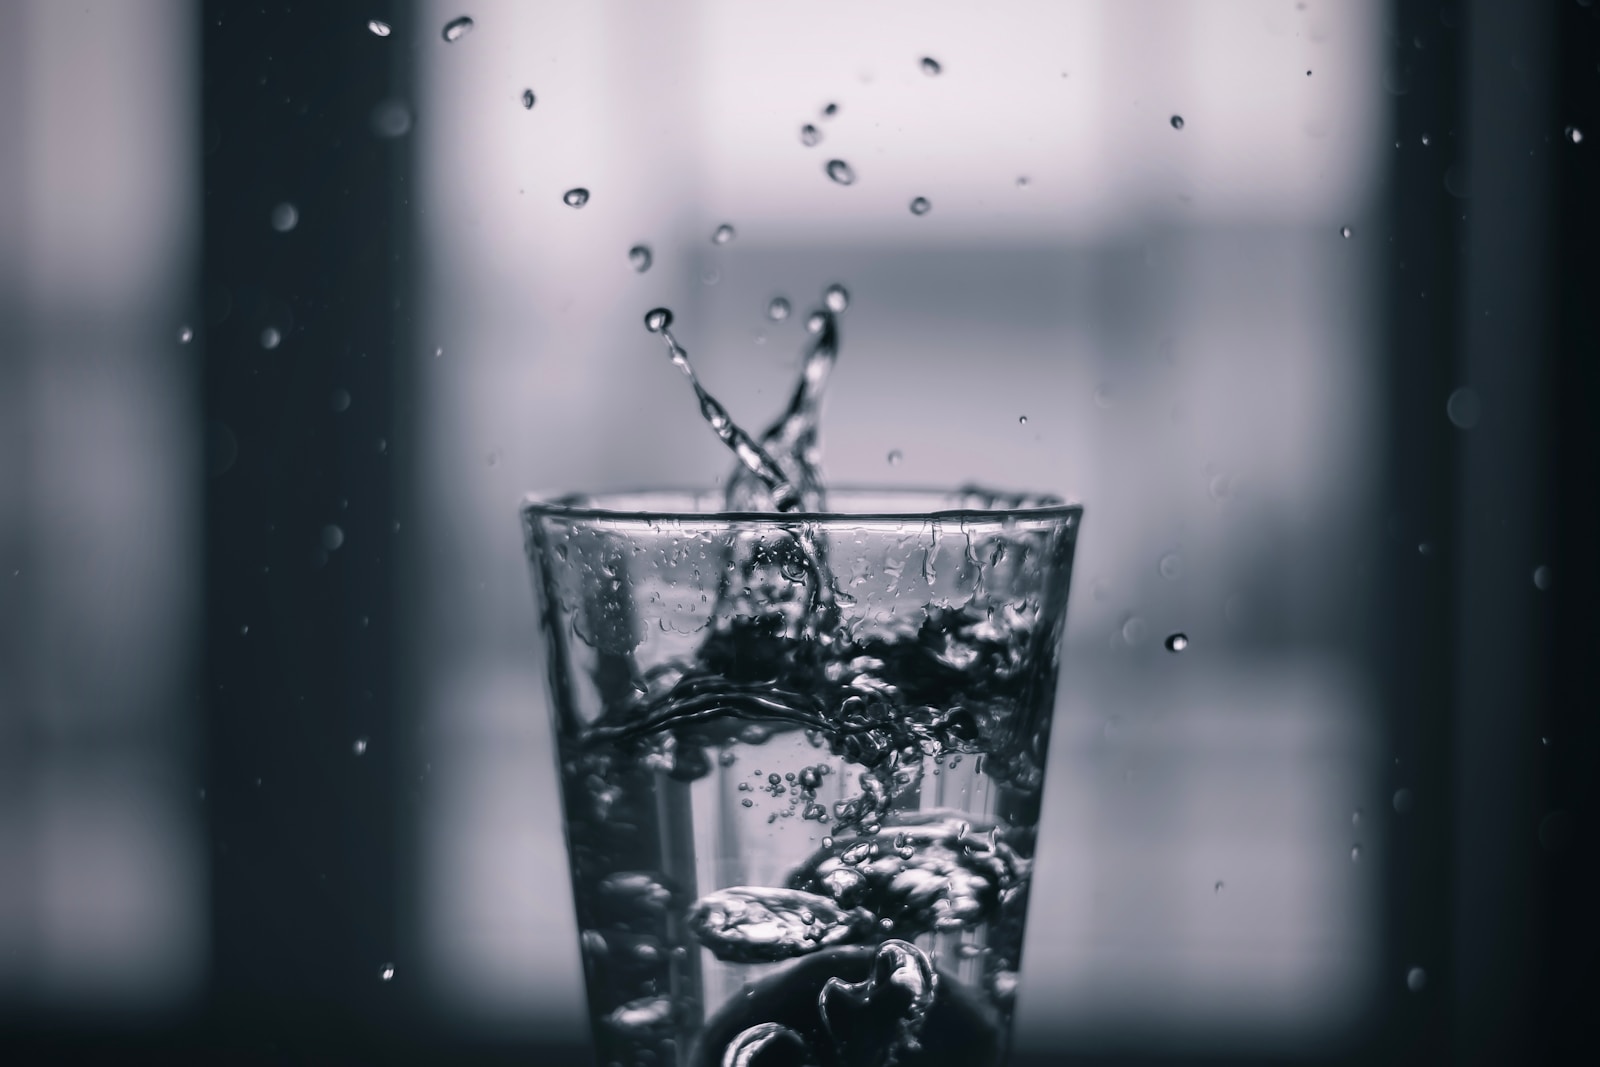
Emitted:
<point x="801" y="758"/>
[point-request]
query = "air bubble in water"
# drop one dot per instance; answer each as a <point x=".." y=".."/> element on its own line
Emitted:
<point x="359" y="746"/>
<point x="386" y="973"/>
<point x="640" y="258"/>
<point x="1177" y="642"/>
<point x="836" y="297"/>
<point x="840" y="172"/>
<point x="1346" y="232"/>
<point x="657" y="319"/>
<point x="1574" y="135"/>
<point x="575" y="197"/>
<point x="1463" y="407"/>
<point x="271" y="338"/>
<point x="339" y="400"/>
<point x="810" y="136"/>
<point x="285" y="217"/>
<point x="1177" y="122"/>
<point x="332" y="537"/>
<point x="528" y="99"/>
<point x="458" y="28"/>
<point x="778" y="309"/>
<point x="722" y="234"/>
<point x="185" y="334"/>
<point x="1416" y="979"/>
<point x="930" y="66"/>
<point x="378" y="29"/>
<point x="920" y="206"/>
<point x="1541" y="577"/>
<point x="895" y="456"/>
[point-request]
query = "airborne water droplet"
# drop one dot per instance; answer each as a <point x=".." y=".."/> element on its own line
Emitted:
<point x="895" y="456"/>
<point x="1171" y="565"/>
<point x="1218" y="887"/>
<point x="528" y="99"/>
<point x="815" y="323"/>
<point x="185" y="334"/>
<point x="1541" y="577"/>
<point x="1355" y="853"/>
<point x="387" y="973"/>
<point x="640" y="258"/>
<point x="270" y="338"/>
<point x="1022" y="420"/>
<point x="575" y="197"/>
<point x="285" y="217"/>
<point x="1416" y="979"/>
<point x="840" y="172"/>
<point x="1346" y="232"/>
<point x="1463" y="408"/>
<point x="837" y="297"/>
<point x="778" y="309"/>
<point x="1177" y="122"/>
<point x="1574" y="135"/>
<point x="1426" y="140"/>
<point x="1177" y="642"/>
<point x="657" y="319"/>
<point x="830" y="110"/>
<point x="378" y="29"/>
<point x="359" y="746"/>
<point x="458" y="28"/>
<point x="1402" y="801"/>
<point x="722" y="234"/>
<point x="930" y="66"/>
<point x="810" y="135"/>
<point x="332" y="537"/>
<point x="920" y="206"/>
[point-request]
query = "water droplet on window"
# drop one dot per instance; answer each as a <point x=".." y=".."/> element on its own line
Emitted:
<point x="1541" y="577"/>
<point x="339" y="400"/>
<point x="528" y="99"/>
<point x="830" y="110"/>
<point x="285" y="217"/>
<point x="920" y="206"/>
<point x="359" y="746"/>
<point x="840" y="171"/>
<point x="271" y="338"/>
<point x="1171" y="566"/>
<point x="836" y="297"/>
<point x="1177" y="122"/>
<point x="1574" y="135"/>
<point x="895" y="456"/>
<point x="1403" y="801"/>
<point x="930" y="66"/>
<point x="1355" y="853"/>
<point x="1463" y="408"/>
<point x="778" y="309"/>
<point x="640" y="258"/>
<point x="378" y="29"/>
<point x="185" y="334"/>
<point x="657" y="319"/>
<point x="1346" y="232"/>
<point x="387" y="973"/>
<point x="722" y="234"/>
<point x="810" y="136"/>
<point x="1416" y="979"/>
<point x="1177" y="642"/>
<point x="457" y="28"/>
<point x="332" y="537"/>
<point x="575" y="197"/>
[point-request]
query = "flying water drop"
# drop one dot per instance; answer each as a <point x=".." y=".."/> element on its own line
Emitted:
<point x="895" y="456"/>
<point x="386" y="974"/>
<point x="575" y="197"/>
<point x="457" y="28"/>
<point x="657" y="319"/>
<point x="1426" y="140"/>
<point x="1541" y="577"/>
<point x="378" y="29"/>
<point x="931" y="67"/>
<point x="185" y="334"/>
<point x="285" y="217"/>
<point x="1177" y="122"/>
<point x="810" y="136"/>
<point x="640" y="258"/>
<point x="778" y="309"/>
<point x="840" y="172"/>
<point x="1574" y="135"/>
<point x="359" y="746"/>
<point x="270" y="338"/>
<point x="1355" y="853"/>
<point x="1346" y="232"/>
<point x="1416" y="979"/>
<point x="1022" y="420"/>
<point x="1177" y="642"/>
<point x="836" y="297"/>
<point x="920" y="206"/>
<point x="830" y="110"/>
<point x="528" y="99"/>
<point x="722" y="234"/>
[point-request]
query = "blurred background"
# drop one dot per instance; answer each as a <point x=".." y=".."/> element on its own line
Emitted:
<point x="1296" y="296"/>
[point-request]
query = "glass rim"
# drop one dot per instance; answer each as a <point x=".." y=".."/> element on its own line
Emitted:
<point x="598" y="507"/>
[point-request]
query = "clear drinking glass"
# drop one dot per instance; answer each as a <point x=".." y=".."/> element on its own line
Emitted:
<point x="801" y="758"/>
